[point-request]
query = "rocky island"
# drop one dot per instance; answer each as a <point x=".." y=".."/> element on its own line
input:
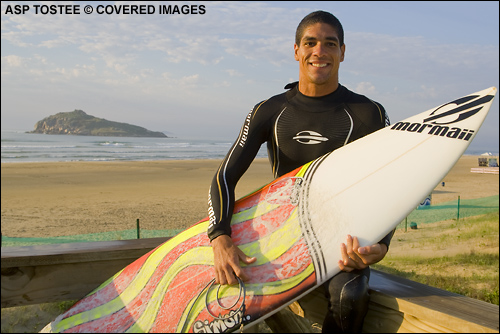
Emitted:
<point x="77" y="122"/>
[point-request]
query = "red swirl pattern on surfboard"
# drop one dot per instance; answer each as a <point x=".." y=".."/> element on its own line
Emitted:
<point x="164" y="290"/>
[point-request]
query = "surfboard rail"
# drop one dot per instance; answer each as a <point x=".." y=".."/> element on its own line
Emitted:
<point x="58" y="272"/>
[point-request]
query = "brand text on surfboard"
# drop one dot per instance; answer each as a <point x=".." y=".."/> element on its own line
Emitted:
<point x="106" y="9"/>
<point x="436" y="130"/>
<point x="439" y="119"/>
<point x="220" y="325"/>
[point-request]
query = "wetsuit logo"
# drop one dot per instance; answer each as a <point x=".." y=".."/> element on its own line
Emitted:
<point x="309" y="137"/>
<point x="244" y="130"/>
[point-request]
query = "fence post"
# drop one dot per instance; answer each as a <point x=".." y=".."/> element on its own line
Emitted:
<point x="458" y="209"/>
<point x="138" y="230"/>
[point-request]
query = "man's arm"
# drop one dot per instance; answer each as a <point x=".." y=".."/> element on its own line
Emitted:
<point x="227" y="256"/>
<point x="235" y="164"/>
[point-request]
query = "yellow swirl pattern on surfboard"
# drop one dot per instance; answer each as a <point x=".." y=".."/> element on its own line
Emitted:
<point x="267" y="248"/>
<point x="137" y="284"/>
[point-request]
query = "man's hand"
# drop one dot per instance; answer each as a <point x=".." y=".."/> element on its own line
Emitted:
<point x="227" y="257"/>
<point x="355" y="257"/>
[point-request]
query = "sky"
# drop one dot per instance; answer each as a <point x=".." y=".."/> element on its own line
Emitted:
<point x="199" y="74"/>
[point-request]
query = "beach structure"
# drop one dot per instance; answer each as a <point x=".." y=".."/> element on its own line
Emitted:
<point x="482" y="162"/>
<point x="487" y="162"/>
<point x="58" y="272"/>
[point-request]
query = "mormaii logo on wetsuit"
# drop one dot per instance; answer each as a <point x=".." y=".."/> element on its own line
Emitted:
<point x="438" y="122"/>
<point x="310" y="137"/>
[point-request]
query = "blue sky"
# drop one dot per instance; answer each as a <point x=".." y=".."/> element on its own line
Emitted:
<point x="199" y="75"/>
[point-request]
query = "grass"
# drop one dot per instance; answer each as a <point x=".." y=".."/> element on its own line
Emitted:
<point x="460" y="257"/>
<point x="31" y="318"/>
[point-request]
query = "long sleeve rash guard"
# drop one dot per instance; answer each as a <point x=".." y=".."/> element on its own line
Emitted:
<point x="297" y="130"/>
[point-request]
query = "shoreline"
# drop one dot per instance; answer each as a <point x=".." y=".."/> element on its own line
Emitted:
<point x="178" y="160"/>
<point x="66" y="198"/>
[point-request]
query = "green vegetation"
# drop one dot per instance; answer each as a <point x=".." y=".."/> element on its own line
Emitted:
<point x="31" y="318"/>
<point x="460" y="257"/>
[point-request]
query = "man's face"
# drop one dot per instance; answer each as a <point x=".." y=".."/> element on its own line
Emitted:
<point x="319" y="55"/>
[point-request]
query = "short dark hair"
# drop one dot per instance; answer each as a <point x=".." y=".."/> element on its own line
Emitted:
<point x="319" y="17"/>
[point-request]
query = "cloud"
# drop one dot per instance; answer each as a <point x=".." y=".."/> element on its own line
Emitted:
<point x="425" y="93"/>
<point x="12" y="61"/>
<point x="365" y="88"/>
<point x="190" y="80"/>
<point x="192" y="38"/>
<point x="416" y="58"/>
<point x="16" y="66"/>
<point x="113" y="51"/>
<point x="274" y="50"/>
<point x="233" y="73"/>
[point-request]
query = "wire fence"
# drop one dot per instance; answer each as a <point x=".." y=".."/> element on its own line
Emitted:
<point x="103" y="236"/>
<point x="457" y="209"/>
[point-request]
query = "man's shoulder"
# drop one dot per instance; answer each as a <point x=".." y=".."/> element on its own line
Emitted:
<point x="273" y="103"/>
<point x="353" y="97"/>
<point x="364" y="106"/>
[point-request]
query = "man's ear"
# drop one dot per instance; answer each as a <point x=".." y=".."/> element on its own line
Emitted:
<point x="295" y="50"/>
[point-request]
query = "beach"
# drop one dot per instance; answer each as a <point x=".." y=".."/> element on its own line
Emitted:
<point x="67" y="198"/>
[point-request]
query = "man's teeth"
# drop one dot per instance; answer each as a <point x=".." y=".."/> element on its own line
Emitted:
<point x="318" y="65"/>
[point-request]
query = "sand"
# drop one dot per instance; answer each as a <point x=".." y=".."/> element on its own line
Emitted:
<point x="52" y="199"/>
<point x="55" y="199"/>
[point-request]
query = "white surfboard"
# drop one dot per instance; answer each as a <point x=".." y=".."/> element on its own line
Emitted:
<point x="394" y="169"/>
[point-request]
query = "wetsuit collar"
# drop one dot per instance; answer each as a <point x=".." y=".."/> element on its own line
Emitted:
<point x="316" y="104"/>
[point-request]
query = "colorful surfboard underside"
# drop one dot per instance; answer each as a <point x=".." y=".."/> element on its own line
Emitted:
<point x="294" y="227"/>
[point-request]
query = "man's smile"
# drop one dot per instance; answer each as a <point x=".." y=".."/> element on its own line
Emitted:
<point x="319" y="64"/>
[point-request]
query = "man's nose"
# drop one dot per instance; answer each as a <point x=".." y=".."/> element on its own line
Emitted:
<point x="319" y="49"/>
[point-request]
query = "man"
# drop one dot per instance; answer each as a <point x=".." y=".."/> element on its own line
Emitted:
<point x="317" y="105"/>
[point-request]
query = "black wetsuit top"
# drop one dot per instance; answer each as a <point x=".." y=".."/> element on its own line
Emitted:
<point x="297" y="129"/>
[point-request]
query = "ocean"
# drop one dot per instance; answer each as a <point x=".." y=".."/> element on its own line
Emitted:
<point x="19" y="146"/>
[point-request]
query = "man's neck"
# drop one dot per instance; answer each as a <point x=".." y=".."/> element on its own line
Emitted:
<point x="313" y="90"/>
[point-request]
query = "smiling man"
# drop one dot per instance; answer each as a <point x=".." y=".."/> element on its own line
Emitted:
<point x="319" y="52"/>
<point x="315" y="116"/>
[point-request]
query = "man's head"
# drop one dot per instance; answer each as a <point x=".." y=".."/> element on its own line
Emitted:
<point x="319" y="17"/>
<point x="319" y="49"/>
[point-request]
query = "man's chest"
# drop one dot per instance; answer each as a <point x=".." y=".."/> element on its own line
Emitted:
<point x="299" y="133"/>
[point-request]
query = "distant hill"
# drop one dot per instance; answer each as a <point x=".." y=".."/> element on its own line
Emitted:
<point x="77" y="122"/>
